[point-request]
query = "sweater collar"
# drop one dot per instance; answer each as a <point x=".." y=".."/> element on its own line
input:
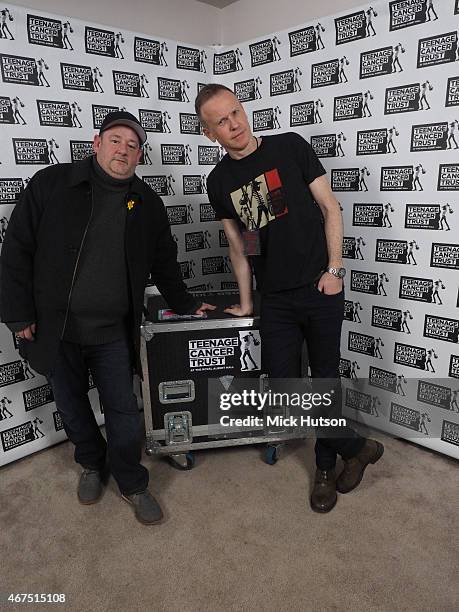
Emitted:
<point x="81" y="173"/>
<point x="100" y="177"/>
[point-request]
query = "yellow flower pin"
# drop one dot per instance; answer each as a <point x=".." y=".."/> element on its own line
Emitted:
<point x="130" y="204"/>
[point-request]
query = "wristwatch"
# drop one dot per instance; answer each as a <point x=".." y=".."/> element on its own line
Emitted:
<point x="338" y="272"/>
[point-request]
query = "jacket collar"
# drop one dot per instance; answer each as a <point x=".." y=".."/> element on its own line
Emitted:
<point x="81" y="173"/>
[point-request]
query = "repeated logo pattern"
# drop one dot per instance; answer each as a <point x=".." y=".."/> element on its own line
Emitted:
<point x="375" y="91"/>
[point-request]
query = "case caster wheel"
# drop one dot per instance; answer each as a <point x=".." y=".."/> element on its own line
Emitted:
<point x="182" y="461"/>
<point x="271" y="454"/>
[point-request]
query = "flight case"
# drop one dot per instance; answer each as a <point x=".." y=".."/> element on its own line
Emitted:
<point x="176" y="371"/>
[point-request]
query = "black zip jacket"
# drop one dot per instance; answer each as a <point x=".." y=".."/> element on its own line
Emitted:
<point x="43" y="242"/>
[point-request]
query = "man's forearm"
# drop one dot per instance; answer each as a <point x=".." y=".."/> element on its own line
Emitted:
<point x="329" y="206"/>
<point x="243" y="274"/>
<point x="334" y="236"/>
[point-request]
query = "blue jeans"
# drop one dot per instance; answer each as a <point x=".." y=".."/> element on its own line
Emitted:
<point x="111" y="368"/>
<point x="288" y="318"/>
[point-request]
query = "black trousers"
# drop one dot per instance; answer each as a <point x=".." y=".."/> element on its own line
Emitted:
<point x="288" y="318"/>
<point x="111" y="368"/>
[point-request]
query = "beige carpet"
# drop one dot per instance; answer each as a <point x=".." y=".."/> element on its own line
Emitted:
<point x="238" y="535"/>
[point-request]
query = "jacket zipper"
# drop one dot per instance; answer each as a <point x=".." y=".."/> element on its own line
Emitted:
<point x="76" y="265"/>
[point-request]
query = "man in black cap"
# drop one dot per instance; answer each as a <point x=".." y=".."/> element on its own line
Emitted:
<point x="77" y="254"/>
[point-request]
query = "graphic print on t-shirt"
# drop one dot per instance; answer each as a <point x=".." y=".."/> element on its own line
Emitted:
<point x="260" y="201"/>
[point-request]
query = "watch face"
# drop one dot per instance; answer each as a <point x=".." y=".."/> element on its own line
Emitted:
<point x="341" y="272"/>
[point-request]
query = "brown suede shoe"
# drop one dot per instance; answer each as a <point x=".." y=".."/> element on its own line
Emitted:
<point x="323" y="496"/>
<point x="354" y="468"/>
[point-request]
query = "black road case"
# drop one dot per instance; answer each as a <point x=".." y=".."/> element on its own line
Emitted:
<point x="179" y="356"/>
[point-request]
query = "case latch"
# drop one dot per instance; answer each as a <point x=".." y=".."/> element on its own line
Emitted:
<point x="178" y="427"/>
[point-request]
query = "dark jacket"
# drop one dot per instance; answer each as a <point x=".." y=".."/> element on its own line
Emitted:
<point x="41" y="250"/>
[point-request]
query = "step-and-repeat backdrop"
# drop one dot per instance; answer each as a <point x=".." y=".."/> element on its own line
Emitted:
<point x="374" y="90"/>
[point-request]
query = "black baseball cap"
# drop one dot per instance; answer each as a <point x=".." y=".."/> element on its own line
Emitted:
<point x="124" y="118"/>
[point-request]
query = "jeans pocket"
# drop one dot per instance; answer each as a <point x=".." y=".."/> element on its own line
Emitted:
<point x="327" y="295"/>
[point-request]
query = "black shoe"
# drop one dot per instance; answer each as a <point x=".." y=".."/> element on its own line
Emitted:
<point x="354" y="468"/>
<point x="146" y="508"/>
<point x="90" y="486"/>
<point x="323" y="496"/>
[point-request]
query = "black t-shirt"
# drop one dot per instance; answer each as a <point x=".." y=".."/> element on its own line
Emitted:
<point x="268" y="190"/>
